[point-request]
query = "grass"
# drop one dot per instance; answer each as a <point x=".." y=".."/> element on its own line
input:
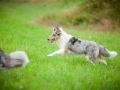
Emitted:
<point x="60" y="72"/>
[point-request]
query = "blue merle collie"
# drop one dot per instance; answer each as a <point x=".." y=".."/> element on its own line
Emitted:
<point x="70" y="44"/>
<point x="14" y="59"/>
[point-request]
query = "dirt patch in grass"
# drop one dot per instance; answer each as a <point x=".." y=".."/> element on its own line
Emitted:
<point x="103" y="24"/>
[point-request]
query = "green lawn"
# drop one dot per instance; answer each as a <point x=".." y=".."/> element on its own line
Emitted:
<point x="61" y="72"/>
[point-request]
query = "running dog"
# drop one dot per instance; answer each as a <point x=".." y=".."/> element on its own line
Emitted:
<point x="70" y="44"/>
<point x="14" y="59"/>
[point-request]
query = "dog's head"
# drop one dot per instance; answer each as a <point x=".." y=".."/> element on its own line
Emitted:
<point x="55" y="35"/>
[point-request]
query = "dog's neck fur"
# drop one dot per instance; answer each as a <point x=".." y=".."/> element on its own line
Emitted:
<point x="64" y="37"/>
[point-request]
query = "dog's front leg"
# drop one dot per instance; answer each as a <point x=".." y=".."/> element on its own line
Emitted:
<point x="60" y="51"/>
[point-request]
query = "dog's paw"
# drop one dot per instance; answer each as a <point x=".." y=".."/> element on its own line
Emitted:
<point x="50" y="55"/>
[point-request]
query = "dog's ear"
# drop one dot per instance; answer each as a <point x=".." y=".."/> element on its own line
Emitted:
<point x="56" y="28"/>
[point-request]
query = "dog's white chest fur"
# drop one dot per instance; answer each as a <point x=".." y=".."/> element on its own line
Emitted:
<point x="63" y="40"/>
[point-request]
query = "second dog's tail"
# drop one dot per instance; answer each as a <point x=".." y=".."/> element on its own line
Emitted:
<point x="106" y="53"/>
<point x="18" y="58"/>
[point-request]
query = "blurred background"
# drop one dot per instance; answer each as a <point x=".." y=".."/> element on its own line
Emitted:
<point x="91" y="14"/>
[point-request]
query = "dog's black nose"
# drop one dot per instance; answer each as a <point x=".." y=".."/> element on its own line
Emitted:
<point x="48" y="39"/>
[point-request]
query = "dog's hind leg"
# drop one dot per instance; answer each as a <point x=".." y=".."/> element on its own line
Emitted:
<point x="92" y="55"/>
<point x="101" y="60"/>
<point x="92" y="61"/>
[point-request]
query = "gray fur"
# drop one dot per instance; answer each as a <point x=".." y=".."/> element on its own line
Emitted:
<point x="89" y="48"/>
<point x="14" y="59"/>
<point x="104" y="52"/>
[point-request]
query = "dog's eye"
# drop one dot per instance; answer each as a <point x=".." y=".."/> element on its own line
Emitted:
<point x="58" y="34"/>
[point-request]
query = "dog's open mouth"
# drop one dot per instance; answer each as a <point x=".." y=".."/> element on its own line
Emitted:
<point x="52" y="40"/>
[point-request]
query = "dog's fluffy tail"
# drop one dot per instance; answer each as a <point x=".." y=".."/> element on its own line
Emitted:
<point x="18" y="58"/>
<point x="104" y="52"/>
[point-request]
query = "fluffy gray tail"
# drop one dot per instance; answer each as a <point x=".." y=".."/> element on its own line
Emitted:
<point x="104" y="52"/>
<point x="18" y="58"/>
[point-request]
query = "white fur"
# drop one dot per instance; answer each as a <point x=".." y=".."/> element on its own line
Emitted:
<point x="112" y="54"/>
<point x="20" y="55"/>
